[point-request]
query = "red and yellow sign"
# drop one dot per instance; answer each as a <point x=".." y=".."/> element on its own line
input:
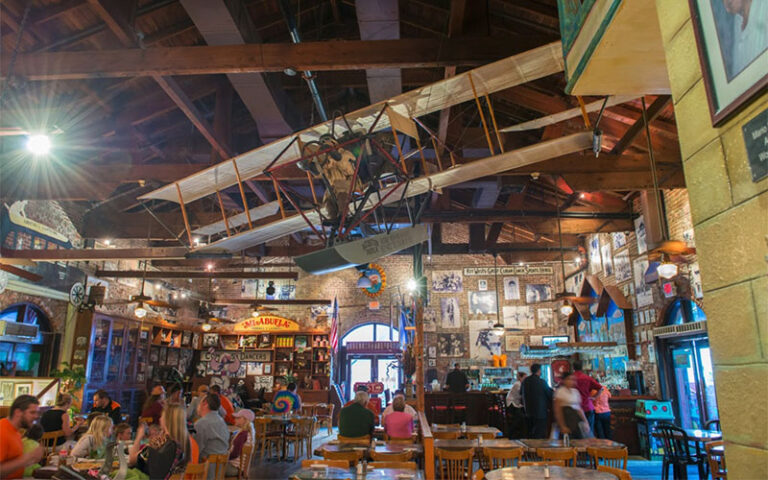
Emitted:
<point x="266" y="323"/>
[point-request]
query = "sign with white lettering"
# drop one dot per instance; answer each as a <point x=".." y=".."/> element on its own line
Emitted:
<point x="755" y="134"/>
<point x="510" y="270"/>
<point x="266" y="323"/>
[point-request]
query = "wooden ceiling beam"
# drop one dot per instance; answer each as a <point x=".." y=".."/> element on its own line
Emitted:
<point x="206" y="60"/>
<point x="93" y="254"/>
<point x="639" y="126"/>
<point x="153" y="274"/>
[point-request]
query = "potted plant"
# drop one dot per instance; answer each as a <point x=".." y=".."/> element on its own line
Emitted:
<point x="72" y="380"/>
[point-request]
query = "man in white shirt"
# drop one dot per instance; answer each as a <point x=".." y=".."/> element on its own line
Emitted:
<point x="408" y="409"/>
<point x="515" y="408"/>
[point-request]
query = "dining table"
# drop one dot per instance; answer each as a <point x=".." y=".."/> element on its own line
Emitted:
<point x="465" y="443"/>
<point x="581" y="444"/>
<point x="538" y="472"/>
<point x="474" y="429"/>
<point x="332" y="473"/>
<point x="416" y="449"/>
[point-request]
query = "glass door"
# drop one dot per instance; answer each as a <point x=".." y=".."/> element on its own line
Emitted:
<point x="360" y="370"/>
<point x="686" y="385"/>
<point x="707" y="375"/>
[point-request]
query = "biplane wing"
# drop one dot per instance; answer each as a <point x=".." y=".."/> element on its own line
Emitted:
<point x="463" y="173"/>
<point x="567" y="114"/>
<point x="515" y="70"/>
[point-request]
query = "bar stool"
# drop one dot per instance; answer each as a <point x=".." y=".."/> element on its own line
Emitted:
<point x="458" y="411"/>
<point x="441" y="411"/>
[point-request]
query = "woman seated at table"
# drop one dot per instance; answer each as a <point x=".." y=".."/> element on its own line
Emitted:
<point x="398" y="424"/>
<point x="166" y="453"/>
<point x="153" y="407"/>
<point x="568" y="413"/>
<point x="93" y="443"/>
<point x="57" y="419"/>
<point x="246" y="436"/>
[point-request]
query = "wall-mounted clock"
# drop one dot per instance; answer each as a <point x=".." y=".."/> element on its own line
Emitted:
<point x="77" y="294"/>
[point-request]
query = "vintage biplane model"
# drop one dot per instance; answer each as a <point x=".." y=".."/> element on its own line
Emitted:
<point x="362" y="163"/>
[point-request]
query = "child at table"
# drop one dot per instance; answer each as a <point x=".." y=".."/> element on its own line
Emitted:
<point x="30" y="442"/>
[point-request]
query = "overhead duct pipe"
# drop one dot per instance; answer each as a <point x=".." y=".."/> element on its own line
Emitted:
<point x="285" y="7"/>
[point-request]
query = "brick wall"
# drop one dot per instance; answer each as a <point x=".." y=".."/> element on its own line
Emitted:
<point x="730" y="217"/>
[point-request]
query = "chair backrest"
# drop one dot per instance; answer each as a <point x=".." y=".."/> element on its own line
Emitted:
<point x="445" y="435"/>
<point x="391" y="457"/>
<point x="404" y="441"/>
<point x="246" y="455"/>
<point x="524" y="463"/>
<point x="304" y="425"/>
<point x="50" y="439"/>
<point x="363" y="439"/>
<point x="502" y="457"/>
<point x="393" y="464"/>
<point x="327" y="463"/>
<point x="675" y="441"/>
<point x="716" y="459"/>
<point x="324" y="410"/>
<point x="195" y="471"/>
<point x="352" y="456"/>
<point x="261" y="425"/>
<point x="612" y="457"/>
<point x="219" y="465"/>
<point x="566" y="455"/>
<point x="620" y="473"/>
<point x="455" y="464"/>
<point x="713" y="424"/>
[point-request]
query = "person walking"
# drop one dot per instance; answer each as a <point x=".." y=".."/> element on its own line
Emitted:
<point x="585" y="385"/>
<point x="567" y="409"/>
<point x="537" y="398"/>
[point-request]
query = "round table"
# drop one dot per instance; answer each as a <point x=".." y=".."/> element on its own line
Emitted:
<point x="555" y="473"/>
<point x="332" y="473"/>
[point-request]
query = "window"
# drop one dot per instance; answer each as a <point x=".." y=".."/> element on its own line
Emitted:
<point x="28" y="355"/>
<point x="371" y="332"/>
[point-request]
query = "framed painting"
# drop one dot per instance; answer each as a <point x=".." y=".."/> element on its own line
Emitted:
<point x="22" y="389"/>
<point x="732" y="40"/>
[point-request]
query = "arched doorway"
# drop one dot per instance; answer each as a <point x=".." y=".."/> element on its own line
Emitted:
<point x="370" y="355"/>
<point x="686" y="365"/>
<point x="22" y="352"/>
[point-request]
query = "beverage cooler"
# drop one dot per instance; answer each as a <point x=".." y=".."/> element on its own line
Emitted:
<point x="650" y="413"/>
<point x="497" y="378"/>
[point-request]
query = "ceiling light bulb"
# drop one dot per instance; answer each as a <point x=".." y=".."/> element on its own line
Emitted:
<point x="667" y="270"/>
<point x="140" y="311"/>
<point x="206" y="327"/>
<point x="209" y="267"/>
<point x="39" y="144"/>
<point x="183" y="294"/>
<point x="566" y="309"/>
<point x="255" y="312"/>
<point x="107" y="242"/>
<point x="412" y="285"/>
<point x="521" y="263"/>
<point x="582" y="195"/>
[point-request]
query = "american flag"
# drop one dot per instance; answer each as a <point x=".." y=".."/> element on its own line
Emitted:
<point x="334" y="325"/>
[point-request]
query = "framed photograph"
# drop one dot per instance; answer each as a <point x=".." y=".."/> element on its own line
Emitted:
<point x="518" y="317"/>
<point x="538" y="292"/>
<point x="482" y="285"/>
<point x="22" y="389"/>
<point x="622" y="267"/>
<point x="732" y="40"/>
<point x="267" y="369"/>
<point x="210" y="340"/>
<point x="605" y="252"/>
<point x="432" y="351"/>
<point x="186" y="339"/>
<point x="430" y="320"/>
<point x="144" y="334"/>
<point x="640" y="235"/>
<point x="483" y="343"/>
<point x="619" y="240"/>
<point x="545" y="316"/>
<point x="6" y="391"/>
<point x="511" y="288"/>
<point x="451" y="281"/>
<point x="432" y="362"/>
<point x="450" y="315"/>
<point x="195" y="340"/>
<point x="482" y="303"/>
<point x="512" y="343"/>
<point x="450" y="344"/>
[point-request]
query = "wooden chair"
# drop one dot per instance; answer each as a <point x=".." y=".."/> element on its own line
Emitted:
<point x="352" y="456"/>
<point x="50" y="441"/>
<point x="301" y="436"/>
<point x="363" y="439"/>
<point x="265" y="437"/>
<point x="611" y="457"/>
<point x="565" y="455"/>
<point x="391" y="457"/>
<point x="219" y="465"/>
<point x="716" y="460"/>
<point x="402" y="465"/>
<point x="246" y="455"/>
<point x="445" y="435"/>
<point x="502" y="457"/>
<point x="479" y="475"/>
<point x="538" y="464"/>
<point x="324" y="416"/>
<point x="620" y="474"/>
<point x="454" y="464"/>
<point x="195" y="471"/>
<point x="327" y="463"/>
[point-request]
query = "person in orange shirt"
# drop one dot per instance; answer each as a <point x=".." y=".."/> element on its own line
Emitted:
<point x="24" y="412"/>
<point x="226" y="404"/>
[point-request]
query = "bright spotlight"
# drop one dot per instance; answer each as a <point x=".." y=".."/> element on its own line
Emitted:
<point x="39" y="144"/>
<point x="412" y="285"/>
<point x="209" y="267"/>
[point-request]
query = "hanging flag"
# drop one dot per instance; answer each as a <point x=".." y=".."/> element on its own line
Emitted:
<point x="334" y="325"/>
